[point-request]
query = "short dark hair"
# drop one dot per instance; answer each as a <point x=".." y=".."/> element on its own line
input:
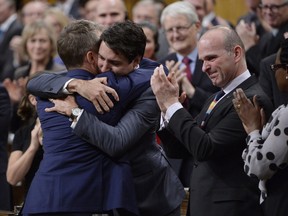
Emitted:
<point x="126" y="39"/>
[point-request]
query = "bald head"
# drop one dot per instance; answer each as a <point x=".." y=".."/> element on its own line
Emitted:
<point x="109" y="12"/>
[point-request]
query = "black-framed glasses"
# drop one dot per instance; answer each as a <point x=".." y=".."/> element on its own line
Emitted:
<point x="275" y="67"/>
<point x="178" y="29"/>
<point x="273" y="7"/>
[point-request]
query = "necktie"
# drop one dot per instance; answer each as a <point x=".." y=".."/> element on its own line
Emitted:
<point x="188" y="71"/>
<point x="212" y="105"/>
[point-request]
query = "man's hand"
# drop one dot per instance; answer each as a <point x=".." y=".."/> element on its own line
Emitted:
<point x="63" y="106"/>
<point x="96" y="91"/>
<point x="165" y="88"/>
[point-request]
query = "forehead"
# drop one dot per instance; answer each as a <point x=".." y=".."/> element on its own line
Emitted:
<point x="176" y="20"/>
<point x="107" y="53"/>
<point x="210" y="44"/>
<point x="110" y="6"/>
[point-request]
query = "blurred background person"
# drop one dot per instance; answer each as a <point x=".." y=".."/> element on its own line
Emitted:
<point x="58" y="20"/>
<point x="5" y="108"/>
<point x="9" y="27"/>
<point x="211" y="18"/>
<point x="27" y="152"/>
<point x="109" y="12"/>
<point x="152" y="45"/>
<point x="90" y="8"/>
<point x="72" y="8"/>
<point x="39" y="46"/>
<point x="150" y="11"/>
<point x="31" y="11"/>
<point x="275" y="13"/>
<point x="266" y="155"/>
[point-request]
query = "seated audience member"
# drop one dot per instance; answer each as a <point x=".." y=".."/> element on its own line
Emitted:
<point x="266" y="155"/>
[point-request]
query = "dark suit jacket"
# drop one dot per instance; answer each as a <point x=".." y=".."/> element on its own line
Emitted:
<point x="268" y="82"/>
<point x="94" y="182"/>
<point x="267" y="45"/>
<point x="219" y="185"/>
<point x="203" y="89"/>
<point x="6" y="54"/>
<point x="5" y="113"/>
<point x="158" y="189"/>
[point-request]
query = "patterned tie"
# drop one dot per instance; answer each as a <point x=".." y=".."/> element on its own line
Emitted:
<point x="188" y="71"/>
<point x="211" y="106"/>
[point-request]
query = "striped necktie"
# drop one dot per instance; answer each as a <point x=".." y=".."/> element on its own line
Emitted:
<point x="211" y="106"/>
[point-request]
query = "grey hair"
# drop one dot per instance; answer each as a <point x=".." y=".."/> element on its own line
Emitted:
<point x="180" y="8"/>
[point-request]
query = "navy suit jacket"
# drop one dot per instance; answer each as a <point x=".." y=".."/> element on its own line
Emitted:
<point x="158" y="189"/>
<point x="218" y="185"/>
<point x="94" y="182"/>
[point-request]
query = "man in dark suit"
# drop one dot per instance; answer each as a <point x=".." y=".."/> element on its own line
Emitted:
<point x="215" y="139"/>
<point x="5" y="113"/>
<point x="182" y="26"/>
<point x="158" y="190"/>
<point x="275" y="13"/>
<point x="9" y="27"/>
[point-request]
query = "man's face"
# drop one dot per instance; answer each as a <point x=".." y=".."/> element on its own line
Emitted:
<point x="146" y="13"/>
<point x="275" y="12"/>
<point x="109" y="12"/>
<point x="108" y="60"/>
<point x="200" y="8"/>
<point x="181" y="34"/>
<point x="218" y="63"/>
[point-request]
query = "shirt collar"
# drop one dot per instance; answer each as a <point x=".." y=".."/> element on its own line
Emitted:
<point x="237" y="81"/>
<point x="4" y="27"/>
<point x="192" y="55"/>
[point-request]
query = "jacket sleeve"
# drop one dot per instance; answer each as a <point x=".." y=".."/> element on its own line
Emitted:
<point x="48" y="84"/>
<point x="142" y="117"/>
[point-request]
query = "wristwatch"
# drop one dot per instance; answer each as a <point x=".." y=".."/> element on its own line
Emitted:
<point x="75" y="112"/>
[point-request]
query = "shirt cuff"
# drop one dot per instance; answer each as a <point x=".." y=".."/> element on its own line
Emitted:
<point x="171" y="110"/>
<point x="74" y="123"/>
<point x="65" y="90"/>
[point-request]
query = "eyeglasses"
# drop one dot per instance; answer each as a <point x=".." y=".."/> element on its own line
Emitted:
<point x="178" y="29"/>
<point x="274" y="8"/>
<point x="275" y="67"/>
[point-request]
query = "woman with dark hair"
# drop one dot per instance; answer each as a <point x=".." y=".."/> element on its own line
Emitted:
<point x="266" y="155"/>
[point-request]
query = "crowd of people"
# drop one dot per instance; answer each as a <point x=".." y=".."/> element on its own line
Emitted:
<point x="109" y="114"/>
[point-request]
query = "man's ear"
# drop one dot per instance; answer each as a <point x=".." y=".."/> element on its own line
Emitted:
<point x="137" y="61"/>
<point x="91" y="57"/>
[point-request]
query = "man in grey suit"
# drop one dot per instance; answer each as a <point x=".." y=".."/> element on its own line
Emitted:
<point x="215" y="139"/>
<point x="158" y="189"/>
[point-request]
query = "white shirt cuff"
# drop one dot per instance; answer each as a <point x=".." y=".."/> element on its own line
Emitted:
<point x="172" y="109"/>
<point x="65" y="90"/>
